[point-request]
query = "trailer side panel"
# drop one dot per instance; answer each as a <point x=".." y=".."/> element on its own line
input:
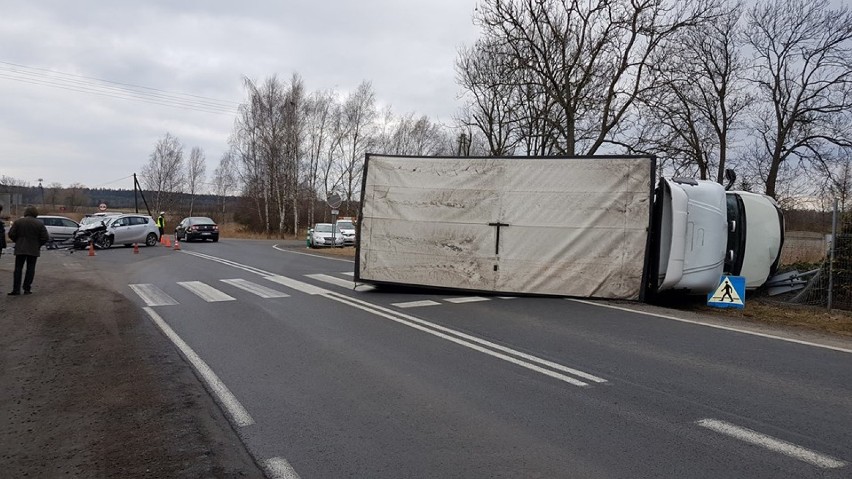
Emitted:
<point x="556" y="226"/>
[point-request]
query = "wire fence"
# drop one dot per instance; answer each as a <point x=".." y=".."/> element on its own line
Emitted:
<point x="829" y="284"/>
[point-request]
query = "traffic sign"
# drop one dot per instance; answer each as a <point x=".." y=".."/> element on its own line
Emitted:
<point x="334" y="200"/>
<point x="730" y="293"/>
<point x="102" y="206"/>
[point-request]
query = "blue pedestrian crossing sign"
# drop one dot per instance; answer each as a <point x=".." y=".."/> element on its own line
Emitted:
<point x="729" y="294"/>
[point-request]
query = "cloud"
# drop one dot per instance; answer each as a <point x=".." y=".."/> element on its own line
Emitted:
<point x="204" y="48"/>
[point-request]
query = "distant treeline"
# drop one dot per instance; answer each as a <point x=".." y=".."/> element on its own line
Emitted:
<point x="84" y="199"/>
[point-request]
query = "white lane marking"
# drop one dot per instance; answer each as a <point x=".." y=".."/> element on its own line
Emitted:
<point x="416" y="304"/>
<point x="233" y="264"/>
<point x="297" y="285"/>
<point x="255" y="288"/>
<point x="469" y="299"/>
<point x="346" y="283"/>
<point x="152" y="295"/>
<point x="771" y="443"/>
<point x="507" y="297"/>
<point x="206" y="292"/>
<point x="233" y="407"/>
<point x="279" y="468"/>
<point x="717" y="326"/>
<point x="348" y="273"/>
<point x="394" y="316"/>
<point x="276" y="247"/>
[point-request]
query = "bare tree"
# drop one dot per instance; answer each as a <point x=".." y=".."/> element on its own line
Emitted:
<point x="699" y="96"/>
<point x="268" y="137"/>
<point x="76" y="196"/>
<point x="582" y="63"/>
<point x="491" y="101"/>
<point x="803" y="74"/>
<point x="195" y="174"/>
<point x="164" y="173"/>
<point x="318" y="117"/>
<point x="52" y="193"/>
<point x="225" y="179"/>
<point x="409" y="136"/>
<point x="357" y="115"/>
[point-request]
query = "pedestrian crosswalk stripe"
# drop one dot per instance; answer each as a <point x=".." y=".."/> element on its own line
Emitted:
<point x="416" y="304"/>
<point x="206" y="292"/>
<point x="469" y="299"/>
<point x="255" y="288"/>
<point x="152" y="295"/>
<point x="306" y="288"/>
<point x="346" y="283"/>
<point x="348" y="273"/>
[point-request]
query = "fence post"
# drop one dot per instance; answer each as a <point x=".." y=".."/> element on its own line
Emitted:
<point x="831" y="256"/>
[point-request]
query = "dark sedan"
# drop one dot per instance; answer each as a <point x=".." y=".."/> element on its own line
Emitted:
<point x="197" y="227"/>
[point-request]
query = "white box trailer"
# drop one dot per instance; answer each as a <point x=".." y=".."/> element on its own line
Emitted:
<point x="571" y="226"/>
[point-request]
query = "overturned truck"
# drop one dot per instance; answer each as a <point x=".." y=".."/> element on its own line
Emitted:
<point x="598" y="227"/>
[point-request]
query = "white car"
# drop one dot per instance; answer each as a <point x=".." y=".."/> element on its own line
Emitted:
<point x="129" y="229"/>
<point x="59" y="228"/>
<point x="321" y="235"/>
<point x="347" y="229"/>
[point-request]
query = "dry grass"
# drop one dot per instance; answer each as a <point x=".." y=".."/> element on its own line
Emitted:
<point x="789" y="315"/>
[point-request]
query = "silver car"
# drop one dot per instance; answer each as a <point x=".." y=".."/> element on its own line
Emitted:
<point x="59" y="228"/>
<point x="129" y="229"/>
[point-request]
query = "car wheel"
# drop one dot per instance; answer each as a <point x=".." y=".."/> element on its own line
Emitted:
<point x="151" y="239"/>
<point x="106" y="242"/>
<point x="215" y="240"/>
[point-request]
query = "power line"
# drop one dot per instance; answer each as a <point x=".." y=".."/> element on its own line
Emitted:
<point x="113" y="89"/>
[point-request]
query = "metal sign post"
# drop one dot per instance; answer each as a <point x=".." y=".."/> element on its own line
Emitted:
<point x="334" y="200"/>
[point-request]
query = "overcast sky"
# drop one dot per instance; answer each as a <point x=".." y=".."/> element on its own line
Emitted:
<point x="204" y="48"/>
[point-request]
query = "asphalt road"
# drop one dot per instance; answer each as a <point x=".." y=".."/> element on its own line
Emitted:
<point x="323" y="380"/>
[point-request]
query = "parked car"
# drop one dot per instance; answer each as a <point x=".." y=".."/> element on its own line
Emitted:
<point x="321" y="235"/>
<point x="129" y="229"/>
<point x="347" y="229"/>
<point x="59" y="228"/>
<point x="197" y="227"/>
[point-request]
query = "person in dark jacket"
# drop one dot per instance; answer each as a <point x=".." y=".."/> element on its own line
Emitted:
<point x="29" y="235"/>
<point x="2" y="232"/>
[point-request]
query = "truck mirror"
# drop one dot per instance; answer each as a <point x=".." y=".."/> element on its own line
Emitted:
<point x="731" y="176"/>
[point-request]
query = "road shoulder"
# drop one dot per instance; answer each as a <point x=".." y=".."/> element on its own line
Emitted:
<point x="90" y="388"/>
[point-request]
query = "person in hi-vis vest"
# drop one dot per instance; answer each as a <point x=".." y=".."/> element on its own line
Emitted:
<point x="161" y="223"/>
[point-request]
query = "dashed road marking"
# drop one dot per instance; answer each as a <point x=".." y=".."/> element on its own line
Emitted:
<point x="297" y="285"/>
<point x="468" y="299"/>
<point x="416" y="304"/>
<point x="206" y="292"/>
<point x="152" y="295"/>
<point x="255" y="288"/>
<point x="776" y="445"/>
<point x="279" y="468"/>
<point x="346" y="283"/>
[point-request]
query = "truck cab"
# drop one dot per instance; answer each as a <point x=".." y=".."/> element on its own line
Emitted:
<point x="704" y="232"/>
<point x="755" y="237"/>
